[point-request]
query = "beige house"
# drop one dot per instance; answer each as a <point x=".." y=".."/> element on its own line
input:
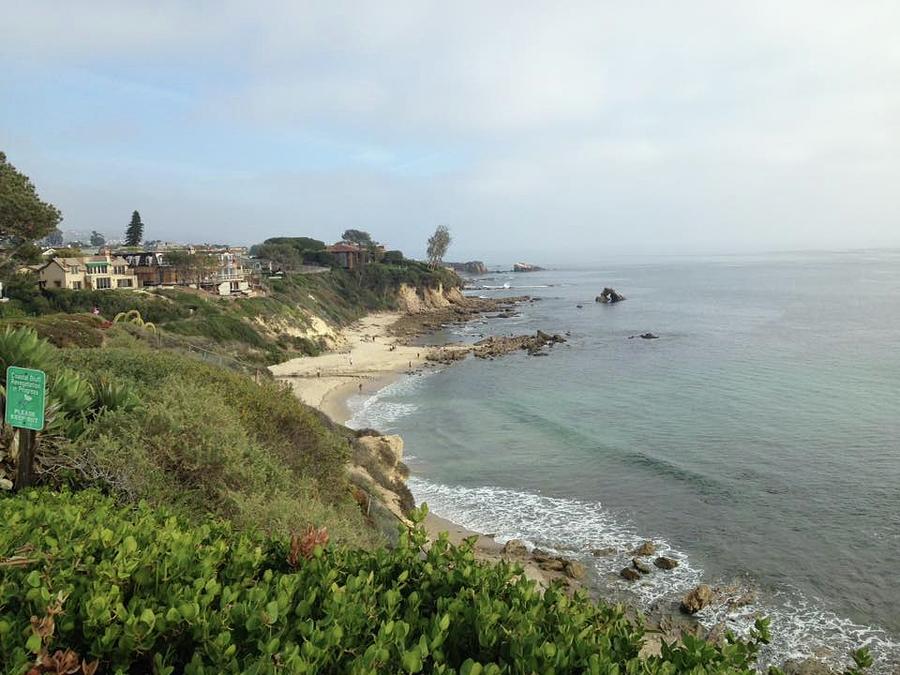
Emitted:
<point x="95" y="272"/>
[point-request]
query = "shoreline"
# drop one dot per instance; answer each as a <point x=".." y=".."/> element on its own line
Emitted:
<point x="371" y="355"/>
<point x="368" y="358"/>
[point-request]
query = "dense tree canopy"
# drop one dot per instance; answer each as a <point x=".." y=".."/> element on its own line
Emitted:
<point x="24" y="217"/>
<point x="97" y="239"/>
<point x="358" y="237"/>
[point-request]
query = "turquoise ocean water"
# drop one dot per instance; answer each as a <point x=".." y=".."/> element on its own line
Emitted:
<point x="758" y="440"/>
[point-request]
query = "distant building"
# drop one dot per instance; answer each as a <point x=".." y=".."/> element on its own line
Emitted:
<point x="352" y="256"/>
<point x="349" y="256"/>
<point x="91" y="273"/>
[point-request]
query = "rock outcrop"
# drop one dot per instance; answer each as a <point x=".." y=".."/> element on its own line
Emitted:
<point x="515" y="547"/>
<point x="641" y="566"/>
<point x="664" y="563"/>
<point x="645" y="549"/>
<point x="526" y="267"/>
<point x="498" y="346"/>
<point x="697" y="599"/>
<point x="630" y="574"/>
<point x="609" y="295"/>
<point x="377" y="464"/>
<point x="574" y="570"/>
<point x="470" y="267"/>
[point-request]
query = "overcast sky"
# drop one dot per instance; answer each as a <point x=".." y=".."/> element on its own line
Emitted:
<point x="543" y="131"/>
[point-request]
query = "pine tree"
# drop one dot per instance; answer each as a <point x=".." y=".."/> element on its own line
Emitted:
<point x="135" y="231"/>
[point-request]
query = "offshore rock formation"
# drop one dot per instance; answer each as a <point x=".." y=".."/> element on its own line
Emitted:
<point x="526" y="267"/>
<point x="609" y="296"/>
<point x="495" y="346"/>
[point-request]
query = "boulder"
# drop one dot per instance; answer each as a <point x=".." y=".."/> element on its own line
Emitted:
<point x="609" y="296"/>
<point x="540" y="555"/>
<point x="697" y="599"/>
<point x="574" y="569"/>
<point x="806" y="667"/>
<point x="641" y="566"/>
<point x="602" y="552"/>
<point x="630" y="574"/>
<point x="647" y="548"/>
<point x="552" y="565"/>
<point x="515" y="547"/>
<point x="664" y="563"/>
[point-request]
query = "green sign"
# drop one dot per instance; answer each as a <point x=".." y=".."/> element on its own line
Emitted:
<point x="26" y="395"/>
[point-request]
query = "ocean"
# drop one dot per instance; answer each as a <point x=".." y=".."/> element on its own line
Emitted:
<point x="757" y="440"/>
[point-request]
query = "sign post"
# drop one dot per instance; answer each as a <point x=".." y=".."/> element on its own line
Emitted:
<point x="26" y="398"/>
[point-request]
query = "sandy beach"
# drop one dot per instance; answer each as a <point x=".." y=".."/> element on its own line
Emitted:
<point x="367" y="359"/>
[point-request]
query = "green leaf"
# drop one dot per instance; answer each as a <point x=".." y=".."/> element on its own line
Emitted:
<point x="33" y="644"/>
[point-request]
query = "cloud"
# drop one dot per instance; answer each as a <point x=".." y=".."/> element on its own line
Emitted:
<point x="692" y="126"/>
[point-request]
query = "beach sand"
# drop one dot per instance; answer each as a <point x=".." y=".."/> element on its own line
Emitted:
<point x="366" y="360"/>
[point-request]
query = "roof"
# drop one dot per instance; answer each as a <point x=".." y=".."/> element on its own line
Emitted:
<point x="89" y="259"/>
<point x="341" y="247"/>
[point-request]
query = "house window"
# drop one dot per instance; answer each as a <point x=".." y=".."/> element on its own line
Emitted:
<point x="123" y="283"/>
<point x="98" y="269"/>
<point x="76" y="285"/>
<point x="102" y="282"/>
<point x="57" y="283"/>
<point x="74" y="269"/>
<point x="119" y="269"/>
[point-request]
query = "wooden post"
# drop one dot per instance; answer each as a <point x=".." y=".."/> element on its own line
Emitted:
<point x="25" y="461"/>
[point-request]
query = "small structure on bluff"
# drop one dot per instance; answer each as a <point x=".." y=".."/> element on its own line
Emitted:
<point x="608" y="296"/>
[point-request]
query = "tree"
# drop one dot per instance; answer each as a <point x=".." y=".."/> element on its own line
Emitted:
<point x="192" y="267"/>
<point x="55" y="238"/>
<point x="393" y="258"/>
<point x="358" y="237"/>
<point x="98" y="239"/>
<point x="438" y="243"/>
<point x="134" y="233"/>
<point x="285" y="256"/>
<point x="24" y="217"/>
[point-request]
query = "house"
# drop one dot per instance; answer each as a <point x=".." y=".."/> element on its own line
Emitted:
<point x="152" y="269"/>
<point x="229" y="278"/>
<point x="350" y="256"/>
<point x="95" y="272"/>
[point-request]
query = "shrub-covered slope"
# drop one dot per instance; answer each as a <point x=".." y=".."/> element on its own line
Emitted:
<point x="135" y="590"/>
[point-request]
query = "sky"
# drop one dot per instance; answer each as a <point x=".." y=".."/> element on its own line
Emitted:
<point x="542" y="131"/>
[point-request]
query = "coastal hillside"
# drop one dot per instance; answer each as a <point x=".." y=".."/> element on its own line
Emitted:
<point x="292" y="315"/>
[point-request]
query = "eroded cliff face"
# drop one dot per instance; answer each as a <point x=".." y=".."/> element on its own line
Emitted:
<point x="413" y="302"/>
<point x="313" y="328"/>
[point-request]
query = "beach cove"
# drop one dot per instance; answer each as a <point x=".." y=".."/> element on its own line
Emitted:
<point x="717" y="441"/>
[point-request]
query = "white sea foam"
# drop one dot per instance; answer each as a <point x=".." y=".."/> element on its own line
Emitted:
<point x="380" y="410"/>
<point x="800" y="627"/>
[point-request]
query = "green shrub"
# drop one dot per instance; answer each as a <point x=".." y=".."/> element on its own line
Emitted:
<point x="141" y="591"/>
<point x="63" y="330"/>
<point x="207" y="440"/>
